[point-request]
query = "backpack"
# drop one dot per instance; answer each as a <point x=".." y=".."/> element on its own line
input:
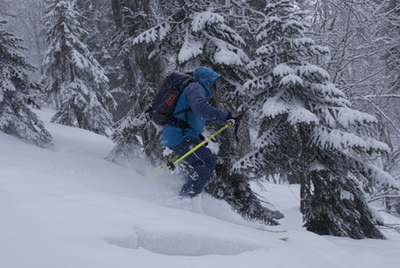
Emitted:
<point x="161" y="110"/>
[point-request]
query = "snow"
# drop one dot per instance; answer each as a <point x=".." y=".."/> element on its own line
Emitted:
<point x="68" y="207"/>
<point x="189" y="50"/>
<point x="230" y="58"/>
<point x="201" y="19"/>
<point x="158" y="32"/>
<point x="310" y="69"/>
<point x="273" y="107"/>
<point x="338" y="139"/>
<point x="282" y="70"/>
<point x="291" y="79"/>
<point x="347" y="117"/>
<point x="299" y="115"/>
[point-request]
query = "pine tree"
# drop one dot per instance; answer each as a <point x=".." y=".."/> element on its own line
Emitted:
<point x="16" y="118"/>
<point x="73" y="77"/>
<point x="138" y="77"/>
<point x="173" y="37"/>
<point x="96" y="16"/>
<point x="386" y="101"/>
<point x="308" y="131"/>
<point x="363" y="40"/>
<point x="190" y="34"/>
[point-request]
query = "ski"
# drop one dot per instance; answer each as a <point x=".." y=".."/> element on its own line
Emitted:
<point x="274" y="231"/>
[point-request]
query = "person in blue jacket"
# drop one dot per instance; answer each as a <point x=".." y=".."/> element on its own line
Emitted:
<point x="194" y="100"/>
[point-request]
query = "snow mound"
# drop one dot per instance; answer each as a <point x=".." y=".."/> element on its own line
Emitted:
<point x="68" y="207"/>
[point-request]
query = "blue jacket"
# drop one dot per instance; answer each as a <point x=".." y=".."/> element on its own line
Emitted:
<point x="194" y="96"/>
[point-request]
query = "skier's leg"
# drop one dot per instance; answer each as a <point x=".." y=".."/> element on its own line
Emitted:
<point x="203" y="163"/>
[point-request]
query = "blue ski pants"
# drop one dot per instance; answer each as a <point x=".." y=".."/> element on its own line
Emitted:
<point x="203" y="162"/>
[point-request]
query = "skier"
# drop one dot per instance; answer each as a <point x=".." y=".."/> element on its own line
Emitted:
<point x="194" y="101"/>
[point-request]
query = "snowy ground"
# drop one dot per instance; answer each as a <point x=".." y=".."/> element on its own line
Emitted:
<point x="67" y="207"/>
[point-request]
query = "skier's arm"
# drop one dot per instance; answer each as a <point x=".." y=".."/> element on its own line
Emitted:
<point x="200" y="106"/>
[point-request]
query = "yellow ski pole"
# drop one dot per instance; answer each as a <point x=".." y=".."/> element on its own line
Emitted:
<point x="212" y="136"/>
<point x="163" y="166"/>
<point x="175" y="161"/>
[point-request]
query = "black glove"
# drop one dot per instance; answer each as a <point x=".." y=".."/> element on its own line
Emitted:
<point x="202" y="138"/>
<point x="233" y="119"/>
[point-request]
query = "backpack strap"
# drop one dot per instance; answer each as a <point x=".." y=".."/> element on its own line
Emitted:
<point x="177" y="122"/>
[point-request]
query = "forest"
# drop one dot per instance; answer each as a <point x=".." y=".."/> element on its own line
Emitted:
<point x="317" y="81"/>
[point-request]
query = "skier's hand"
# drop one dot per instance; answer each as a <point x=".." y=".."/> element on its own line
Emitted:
<point x="233" y="119"/>
<point x="202" y="138"/>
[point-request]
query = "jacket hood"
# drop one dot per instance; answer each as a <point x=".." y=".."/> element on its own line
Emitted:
<point x="206" y="77"/>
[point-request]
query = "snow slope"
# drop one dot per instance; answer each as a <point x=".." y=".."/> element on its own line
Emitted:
<point x="67" y="207"/>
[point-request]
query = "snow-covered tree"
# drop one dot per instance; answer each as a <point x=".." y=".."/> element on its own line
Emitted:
<point x="385" y="100"/>
<point x="189" y="34"/>
<point x="25" y="20"/>
<point x="186" y="37"/>
<point x="138" y="76"/>
<point x="364" y="41"/>
<point x="96" y="16"/>
<point x="72" y="76"/>
<point x="308" y="130"/>
<point x="16" y="118"/>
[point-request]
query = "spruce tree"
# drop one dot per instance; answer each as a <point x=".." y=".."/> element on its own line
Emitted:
<point x="190" y="34"/>
<point x="308" y="131"/>
<point x="72" y="76"/>
<point x="364" y="63"/>
<point x="385" y="100"/>
<point x="173" y="38"/>
<point x="16" y="92"/>
<point x="139" y="75"/>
